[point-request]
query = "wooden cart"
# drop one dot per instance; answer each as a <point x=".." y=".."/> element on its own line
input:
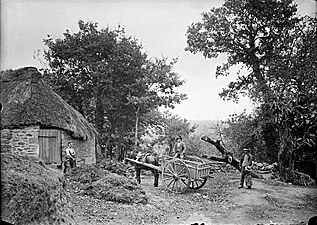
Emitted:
<point x="178" y="175"/>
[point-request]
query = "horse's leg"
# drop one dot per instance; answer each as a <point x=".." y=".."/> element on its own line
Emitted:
<point x="156" y="172"/>
<point x="156" y="177"/>
<point x="138" y="174"/>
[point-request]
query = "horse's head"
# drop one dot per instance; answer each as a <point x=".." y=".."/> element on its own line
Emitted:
<point x="130" y="155"/>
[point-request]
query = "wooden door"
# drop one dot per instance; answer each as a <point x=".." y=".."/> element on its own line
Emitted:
<point x="50" y="145"/>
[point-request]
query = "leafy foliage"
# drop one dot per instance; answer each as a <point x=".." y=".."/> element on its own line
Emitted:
<point x="278" y="50"/>
<point x="293" y="92"/>
<point x="247" y="31"/>
<point x="171" y="127"/>
<point x="251" y="131"/>
<point x="107" y="76"/>
<point x="293" y="95"/>
<point x="157" y="90"/>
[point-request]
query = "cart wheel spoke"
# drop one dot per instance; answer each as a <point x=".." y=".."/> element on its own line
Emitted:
<point x="183" y="180"/>
<point x="179" y="187"/>
<point x="169" y="175"/>
<point x="172" y="181"/>
<point x="169" y="179"/>
<point x="170" y="168"/>
<point x="199" y="183"/>
<point x="173" y="166"/>
<point x="170" y="171"/>
<point x="183" y="169"/>
<point x="176" y="176"/>
<point x="183" y="175"/>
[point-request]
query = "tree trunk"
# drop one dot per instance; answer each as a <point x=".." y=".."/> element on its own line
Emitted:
<point x="107" y="147"/>
<point x="136" y="128"/>
<point x="227" y="156"/>
<point x="111" y="152"/>
<point x="99" y="113"/>
<point x="286" y="159"/>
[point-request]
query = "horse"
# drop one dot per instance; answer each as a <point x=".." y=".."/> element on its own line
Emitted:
<point x="146" y="158"/>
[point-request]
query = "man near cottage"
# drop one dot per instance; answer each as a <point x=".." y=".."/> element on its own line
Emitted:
<point x="70" y="157"/>
<point x="245" y="162"/>
<point x="179" y="148"/>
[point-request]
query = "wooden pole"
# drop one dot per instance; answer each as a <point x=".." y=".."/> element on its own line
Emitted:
<point x="145" y="164"/>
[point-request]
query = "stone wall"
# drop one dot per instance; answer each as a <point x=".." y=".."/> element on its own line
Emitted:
<point x="24" y="140"/>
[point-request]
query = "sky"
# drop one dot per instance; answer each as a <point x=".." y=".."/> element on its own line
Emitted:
<point x="159" y="25"/>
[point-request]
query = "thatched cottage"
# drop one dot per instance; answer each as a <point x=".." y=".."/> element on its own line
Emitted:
<point x="37" y="121"/>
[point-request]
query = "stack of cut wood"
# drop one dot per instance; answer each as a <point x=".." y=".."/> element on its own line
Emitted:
<point x="265" y="167"/>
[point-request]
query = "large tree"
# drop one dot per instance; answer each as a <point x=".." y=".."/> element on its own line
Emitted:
<point x="293" y="97"/>
<point x="158" y="87"/>
<point x="272" y="43"/>
<point x="107" y="76"/>
<point x="247" y="32"/>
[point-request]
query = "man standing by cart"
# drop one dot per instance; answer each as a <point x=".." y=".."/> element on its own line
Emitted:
<point x="245" y="165"/>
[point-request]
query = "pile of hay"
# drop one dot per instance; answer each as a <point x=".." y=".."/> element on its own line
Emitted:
<point x="87" y="174"/>
<point x="32" y="193"/>
<point x="115" y="167"/>
<point x="102" y="184"/>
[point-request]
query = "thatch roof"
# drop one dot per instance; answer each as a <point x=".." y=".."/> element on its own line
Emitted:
<point x="28" y="100"/>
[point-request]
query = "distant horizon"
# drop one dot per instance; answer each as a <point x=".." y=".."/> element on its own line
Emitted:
<point x="211" y="120"/>
<point x="208" y="120"/>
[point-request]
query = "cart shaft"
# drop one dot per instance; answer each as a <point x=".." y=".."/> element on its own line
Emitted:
<point x="145" y="164"/>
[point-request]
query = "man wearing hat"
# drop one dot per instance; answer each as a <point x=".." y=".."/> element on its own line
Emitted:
<point x="245" y="161"/>
<point x="70" y="161"/>
<point x="179" y="148"/>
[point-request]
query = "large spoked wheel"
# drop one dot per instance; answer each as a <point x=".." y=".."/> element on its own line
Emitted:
<point x="176" y="176"/>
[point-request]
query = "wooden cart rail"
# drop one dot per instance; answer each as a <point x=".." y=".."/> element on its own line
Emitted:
<point x="197" y="169"/>
<point x="180" y="174"/>
<point x="144" y="164"/>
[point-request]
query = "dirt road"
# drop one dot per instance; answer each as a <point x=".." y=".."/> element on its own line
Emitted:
<point x="218" y="202"/>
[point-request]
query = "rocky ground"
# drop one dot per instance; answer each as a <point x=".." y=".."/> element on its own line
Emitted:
<point x="218" y="202"/>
